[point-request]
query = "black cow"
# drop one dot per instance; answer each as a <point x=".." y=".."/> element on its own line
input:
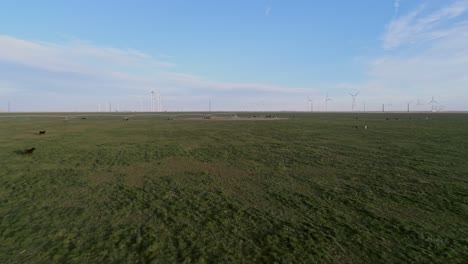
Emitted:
<point x="25" y="151"/>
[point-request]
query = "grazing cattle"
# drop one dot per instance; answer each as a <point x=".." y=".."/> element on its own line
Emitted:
<point x="42" y="132"/>
<point x="83" y="118"/>
<point x="25" y="152"/>
<point x="125" y="119"/>
<point x="29" y="151"/>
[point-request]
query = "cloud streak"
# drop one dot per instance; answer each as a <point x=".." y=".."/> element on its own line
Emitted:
<point x="418" y="26"/>
<point x="396" y="6"/>
<point x="71" y="57"/>
<point x="43" y="70"/>
<point x="437" y="67"/>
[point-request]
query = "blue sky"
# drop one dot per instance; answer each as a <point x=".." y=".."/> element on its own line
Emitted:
<point x="242" y="55"/>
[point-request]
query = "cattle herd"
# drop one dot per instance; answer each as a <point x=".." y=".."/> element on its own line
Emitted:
<point x="30" y="151"/>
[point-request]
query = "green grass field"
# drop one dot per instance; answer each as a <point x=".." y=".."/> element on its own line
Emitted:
<point x="310" y="189"/>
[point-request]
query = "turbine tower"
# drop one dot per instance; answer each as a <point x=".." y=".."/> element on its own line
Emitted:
<point x="432" y="102"/>
<point x="408" y="105"/>
<point x="159" y="102"/>
<point x="311" y="104"/>
<point x="353" y="105"/>
<point x="326" y="102"/>
<point x="152" y="101"/>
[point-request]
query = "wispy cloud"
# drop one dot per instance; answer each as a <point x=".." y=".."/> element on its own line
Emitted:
<point x="436" y="68"/>
<point x="71" y="56"/>
<point x="396" y="6"/>
<point x="267" y="10"/>
<point x="418" y="25"/>
<point x="44" y="70"/>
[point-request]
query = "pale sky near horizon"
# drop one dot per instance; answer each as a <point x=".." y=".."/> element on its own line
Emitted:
<point x="75" y="55"/>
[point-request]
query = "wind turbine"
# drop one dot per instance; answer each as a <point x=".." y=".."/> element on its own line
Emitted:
<point x="326" y="102"/>
<point x="432" y="102"/>
<point x="408" y="105"/>
<point x="152" y="101"/>
<point x="159" y="101"/>
<point x="383" y="106"/>
<point x="311" y="104"/>
<point x="419" y="102"/>
<point x="354" y="100"/>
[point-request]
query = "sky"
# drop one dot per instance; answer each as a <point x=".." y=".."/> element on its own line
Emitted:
<point x="242" y="55"/>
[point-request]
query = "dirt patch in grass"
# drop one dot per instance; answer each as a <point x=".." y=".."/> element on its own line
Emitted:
<point x="224" y="118"/>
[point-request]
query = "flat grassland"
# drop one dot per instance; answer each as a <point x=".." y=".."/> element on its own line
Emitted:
<point x="307" y="189"/>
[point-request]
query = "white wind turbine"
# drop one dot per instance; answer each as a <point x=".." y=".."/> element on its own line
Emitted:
<point x="141" y="104"/>
<point x="419" y="102"/>
<point x="432" y="102"/>
<point x="327" y="99"/>
<point x="152" y="101"/>
<point x="408" y="105"/>
<point x="159" y="102"/>
<point x="311" y="104"/>
<point x="383" y="106"/>
<point x="353" y="105"/>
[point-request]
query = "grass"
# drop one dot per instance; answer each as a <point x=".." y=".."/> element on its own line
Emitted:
<point x="307" y="189"/>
